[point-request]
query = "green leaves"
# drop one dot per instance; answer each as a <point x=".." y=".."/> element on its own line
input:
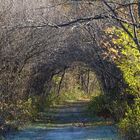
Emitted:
<point x="129" y="62"/>
<point x="130" y="125"/>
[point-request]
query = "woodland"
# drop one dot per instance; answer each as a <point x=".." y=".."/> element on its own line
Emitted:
<point x="55" y="50"/>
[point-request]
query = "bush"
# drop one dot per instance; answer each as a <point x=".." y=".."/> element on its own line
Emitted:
<point x="129" y="64"/>
<point x="130" y="125"/>
<point x="23" y="110"/>
<point x="97" y="104"/>
<point x="104" y="103"/>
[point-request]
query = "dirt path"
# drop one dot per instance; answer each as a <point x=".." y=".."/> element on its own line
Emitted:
<point x="69" y="121"/>
<point x="72" y="113"/>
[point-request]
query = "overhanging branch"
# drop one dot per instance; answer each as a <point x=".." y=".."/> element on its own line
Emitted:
<point x="76" y="21"/>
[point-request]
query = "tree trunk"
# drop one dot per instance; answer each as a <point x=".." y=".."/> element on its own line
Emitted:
<point x="139" y="8"/>
<point x="60" y="83"/>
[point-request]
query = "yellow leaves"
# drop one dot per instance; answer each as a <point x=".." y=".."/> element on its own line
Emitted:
<point x="110" y="30"/>
<point x="129" y="62"/>
<point x="114" y="51"/>
<point x="56" y="79"/>
<point x="66" y="7"/>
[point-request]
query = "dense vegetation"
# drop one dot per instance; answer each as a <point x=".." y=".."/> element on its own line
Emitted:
<point x="129" y="64"/>
<point x="126" y="110"/>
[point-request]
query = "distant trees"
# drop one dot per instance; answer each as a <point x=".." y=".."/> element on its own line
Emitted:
<point x="77" y="76"/>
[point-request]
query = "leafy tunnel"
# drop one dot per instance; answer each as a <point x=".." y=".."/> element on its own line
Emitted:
<point x="42" y="39"/>
<point x="79" y="41"/>
<point x="74" y="50"/>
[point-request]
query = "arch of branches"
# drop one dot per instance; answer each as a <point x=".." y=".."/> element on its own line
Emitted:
<point x="72" y="48"/>
<point x="47" y="37"/>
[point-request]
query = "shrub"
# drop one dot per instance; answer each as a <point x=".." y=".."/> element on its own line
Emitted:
<point x="130" y="125"/>
<point x="129" y="64"/>
<point x="114" y="107"/>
